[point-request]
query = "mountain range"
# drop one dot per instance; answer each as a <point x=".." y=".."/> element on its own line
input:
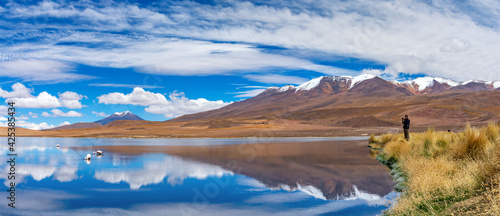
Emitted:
<point x="368" y="101"/>
<point x="324" y="106"/>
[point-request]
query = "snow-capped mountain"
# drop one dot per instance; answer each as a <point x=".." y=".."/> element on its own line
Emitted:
<point x="427" y="84"/>
<point x="126" y="115"/>
<point x="347" y="81"/>
<point x="421" y="85"/>
<point x="367" y="101"/>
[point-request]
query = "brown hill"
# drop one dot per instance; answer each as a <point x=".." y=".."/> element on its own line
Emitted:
<point x="374" y="101"/>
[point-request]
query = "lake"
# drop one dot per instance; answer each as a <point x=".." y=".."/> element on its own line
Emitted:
<point x="248" y="176"/>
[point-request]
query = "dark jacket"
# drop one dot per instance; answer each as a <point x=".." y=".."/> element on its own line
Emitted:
<point x="406" y="123"/>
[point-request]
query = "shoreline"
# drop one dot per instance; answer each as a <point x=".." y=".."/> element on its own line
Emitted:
<point x="172" y="132"/>
<point x="364" y="136"/>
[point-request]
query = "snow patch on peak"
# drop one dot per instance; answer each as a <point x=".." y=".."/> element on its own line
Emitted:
<point x="286" y="88"/>
<point x="423" y="82"/>
<point x="122" y="113"/>
<point x="495" y="84"/>
<point x="470" y="81"/>
<point x="316" y="81"/>
<point x="426" y="82"/>
<point x="360" y="78"/>
<point x="310" y="84"/>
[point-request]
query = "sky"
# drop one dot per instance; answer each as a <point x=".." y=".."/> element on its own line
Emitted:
<point x="64" y="61"/>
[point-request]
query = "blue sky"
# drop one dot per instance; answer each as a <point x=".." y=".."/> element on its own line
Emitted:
<point x="78" y="61"/>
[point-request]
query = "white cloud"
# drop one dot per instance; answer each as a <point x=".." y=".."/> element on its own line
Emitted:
<point x="71" y="100"/>
<point x="408" y="36"/>
<point x="138" y="97"/>
<point x="22" y="117"/>
<point x="157" y="103"/>
<point x="114" y="18"/>
<point x="69" y="95"/>
<point x="180" y="105"/>
<point x="4" y="110"/>
<point x="23" y="98"/>
<point x="437" y="38"/>
<point x="39" y="70"/>
<point x="59" y="113"/>
<point x="18" y="91"/>
<point x="33" y="115"/>
<point x="43" y="100"/>
<point x="179" y="57"/>
<point x="100" y="114"/>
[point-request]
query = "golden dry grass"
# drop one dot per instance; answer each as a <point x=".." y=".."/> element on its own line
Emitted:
<point x="447" y="173"/>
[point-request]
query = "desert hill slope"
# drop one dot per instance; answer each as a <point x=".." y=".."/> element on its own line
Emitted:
<point x="337" y="100"/>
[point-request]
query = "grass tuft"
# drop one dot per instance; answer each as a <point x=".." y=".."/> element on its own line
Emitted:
<point x="444" y="172"/>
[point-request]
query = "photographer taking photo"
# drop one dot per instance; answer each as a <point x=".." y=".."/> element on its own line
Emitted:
<point x="406" y="126"/>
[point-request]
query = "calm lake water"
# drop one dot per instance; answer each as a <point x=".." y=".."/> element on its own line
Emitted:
<point x="57" y="181"/>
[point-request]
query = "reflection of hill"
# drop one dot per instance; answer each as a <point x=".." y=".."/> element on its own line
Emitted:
<point x="333" y="167"/>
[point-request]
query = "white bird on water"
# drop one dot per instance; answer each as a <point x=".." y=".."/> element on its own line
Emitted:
<point x="87" y="157"/>
<point x="57" y="146"/>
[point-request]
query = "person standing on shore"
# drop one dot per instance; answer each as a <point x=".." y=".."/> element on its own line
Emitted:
<point x="406" y="126"/>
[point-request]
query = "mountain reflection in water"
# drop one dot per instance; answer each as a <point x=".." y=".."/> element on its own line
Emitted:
<point x="336" y="168"/>
<point x="302" y="178"/>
